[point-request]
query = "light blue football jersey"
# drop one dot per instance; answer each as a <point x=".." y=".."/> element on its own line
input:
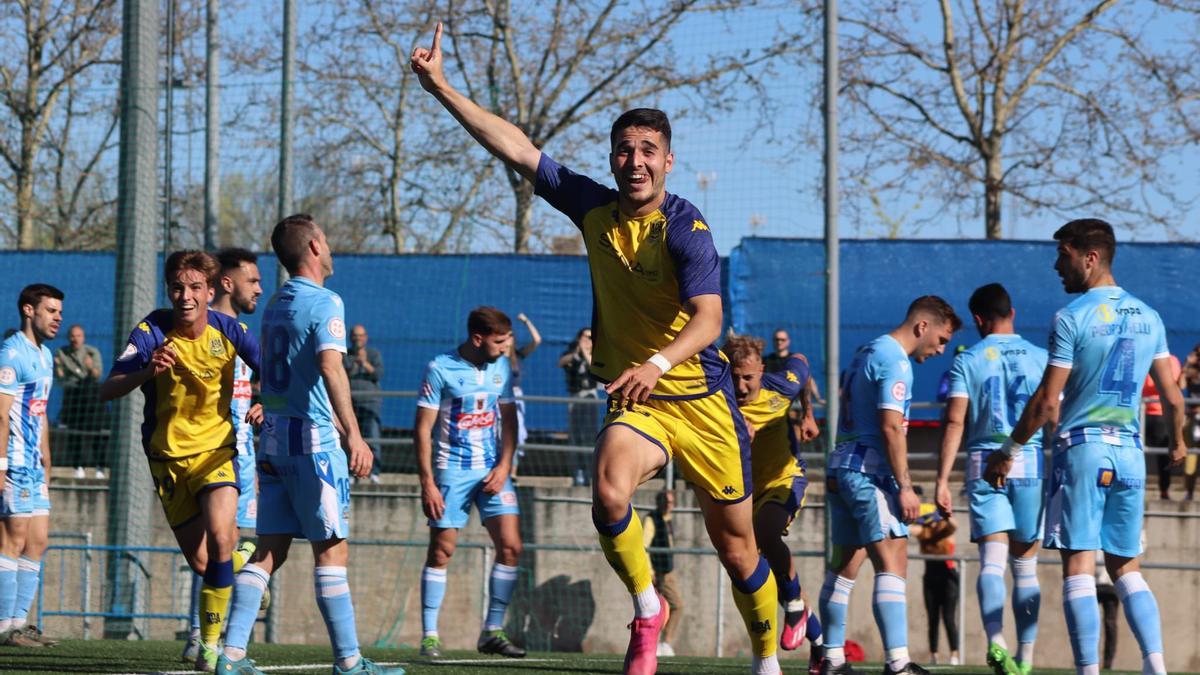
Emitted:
<point x="879" y="378"/>
<point x="467" y="398"/>
<point x="1108" y="338"/>
<point x="998" y="375"/>
<point x="26" y="374"/>
<point x="239" y="406"/>
<point x="301" y="320"/>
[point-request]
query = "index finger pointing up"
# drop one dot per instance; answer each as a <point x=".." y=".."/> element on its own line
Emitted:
<point x="437" y="39"/>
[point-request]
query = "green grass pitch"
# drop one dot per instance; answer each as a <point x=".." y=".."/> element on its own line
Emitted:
<point x="111" y="656"/>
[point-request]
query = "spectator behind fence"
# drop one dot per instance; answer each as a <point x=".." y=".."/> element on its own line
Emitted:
<point x="776" y="361"/>
<point x="1189" y="381"/>
<point x="935" y="535"/>
<point x="1157" y="434"/>
<point x="364" y="367"/>
<point x="582" y="416"/>
<point x="658" y="531"/>
<point x="515" y="356"/>
<point x="77" y="369"/>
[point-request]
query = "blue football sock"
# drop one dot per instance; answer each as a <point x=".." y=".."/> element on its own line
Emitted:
<point x="1026" y="599"/>
<point x="500" y="589"/>
<point x="789" y="590"/>
<point x="28" y="574"/>
<point x="1083" y="617"/>
<point x="891" y="615"/>
<point x="835" y="601"/>
<point x="8" y="590"/>
<point x="991" y="591"/>
<point x="333" y="598"/>
<point x="433" y="591"/>
<point x="194" y="607"/>
<point x="813" y="632"/>
<point x="1141" y="611"/>
<point x="248" y="589"/>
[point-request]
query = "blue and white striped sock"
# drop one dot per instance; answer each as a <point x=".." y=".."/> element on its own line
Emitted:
<point x="1083" y="618"/>
<point x="890" y="605"/>
<point x="194" y="607"/>
<point x="433" y="591"/>
<point x="1026" y="604"/>
<point x="8" y="591"/>
<point x="1141" y="611"/>
<point x="990" y="588"/>
<point x="333" y="599"/>
<point x="500" y="589"/>
<point x="28" y="575"/>
<point x="248" y="589"/>
<point x="834" y="603"/>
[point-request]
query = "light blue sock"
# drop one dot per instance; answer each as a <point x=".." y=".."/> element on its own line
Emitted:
<point x="890" y="606"/>
<point x="433" y="591"/>
<point x="248" y="589"/>
<point x="1026" y="599"/>
<point x="990" y="588"/>
<point x="8" y="591"/>
<point x="28" y="575"/>
<point x="500" y="589"/>
<point x="333" y="598"/>
<point x="1141" y="611"/>
<point x="835" y="601"/>
<point x="1083" y="618"/>
<point x="194" y="608"/>
<point x="789" y="590"/>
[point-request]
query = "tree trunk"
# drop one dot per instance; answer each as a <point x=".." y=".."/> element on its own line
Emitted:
<point x="26" y="236"/>
<point x="523" y="191"/>
<point x="993" y="192"/>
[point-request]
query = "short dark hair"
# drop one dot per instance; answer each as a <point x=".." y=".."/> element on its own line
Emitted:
<point x="990" y="302"/>
<point x="939" y="308"/>
<point x="488" y="321"/>
<point x="191" y="260"/>
<point x="290" y="238"/>
<point x="232" y="258"/>
<point x="740" y="348"/>
<point x="33" y="294"/>
<point x="650" y="118"/>
<point x="1089" y="234"/>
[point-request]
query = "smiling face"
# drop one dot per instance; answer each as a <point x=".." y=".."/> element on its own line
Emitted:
<point x="640" y="160"/>
<point x="190" y="295"/>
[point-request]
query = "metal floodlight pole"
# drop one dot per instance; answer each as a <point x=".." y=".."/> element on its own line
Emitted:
<point x="130" y="496"/>
<point x="832" y="273"/>
<point x="286" y="118"/>
<point x="212" y="127"/>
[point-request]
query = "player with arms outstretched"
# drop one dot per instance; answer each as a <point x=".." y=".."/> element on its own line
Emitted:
<point x="466" y="391"/>
<point x="303" y="472"/>
<point x="765" y="400"/>
<point x="1101" y="347"/>
<point x="870" y="492"/>
<point x="183" y="360"/>
<point x="989" y="385"/>
<point x="656" y="283"/>
<point x="26" y="375"/>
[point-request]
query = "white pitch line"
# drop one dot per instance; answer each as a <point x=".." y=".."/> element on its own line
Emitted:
<point x="324" y="666"/>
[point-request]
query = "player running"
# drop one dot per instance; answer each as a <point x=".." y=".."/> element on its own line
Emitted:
<point x="303" y="471"/>
<point x="26" y="375"/>
<point x="183" y="360"/>
<point x="870" y="492"/>
<point x="778" y="472"/>
<point x="656" y="283"/>
<point x="988" y="387"/>
<point x="465" y="392"/>
<point x="1101" y="347"/>
<point x="237" y="292"/>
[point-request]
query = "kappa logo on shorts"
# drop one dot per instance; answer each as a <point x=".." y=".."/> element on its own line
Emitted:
<point x="1105" y="477"/>
<point x="729" y="490"/>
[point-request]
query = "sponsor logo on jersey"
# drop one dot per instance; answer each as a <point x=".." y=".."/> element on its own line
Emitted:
<point x="1106" y="313"/>
<point x="991" y="353"/>
<point x="242" y="390"/>
<point x="7" y="375"/>
<point x="37" y="407"/>
<point x="481" y="420"/>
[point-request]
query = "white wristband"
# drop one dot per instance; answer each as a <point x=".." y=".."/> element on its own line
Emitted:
<point x="660" y="361"/>
<point x="3" y="464"/>
<point x="1011" y="448"/>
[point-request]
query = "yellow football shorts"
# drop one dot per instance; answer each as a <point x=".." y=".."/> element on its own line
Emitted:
<point x="706" y="437"/>
<point x="788" y="493"/>
<point x="179" y="481"/>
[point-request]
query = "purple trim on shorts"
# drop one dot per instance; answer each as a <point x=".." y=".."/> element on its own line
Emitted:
<point x="743" y="436"/>
<point x="639" y="432"/>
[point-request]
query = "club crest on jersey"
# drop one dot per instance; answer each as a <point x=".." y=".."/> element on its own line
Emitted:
<point x="497" y="380"/>
<point x="7" y="375"/>
<point x="899" y="390"/>
<point x="216" y="347"/>
<point x="337" y="328"/>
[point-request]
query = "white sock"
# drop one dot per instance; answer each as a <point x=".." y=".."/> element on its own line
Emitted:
<point x="18" y="623"/>
<point x="429" y="633"/>
<point x="898" y="658"/>
<point x="1025" y="653"/>
<point x="836" y="655"/>
<point x="1153" y="664"/>
<point x="235" y="653"/>
<point x="349" y="662"/>
<point x="645" y="604"/>
<point x="766" y="665"/>
<point x="794" y="606"/>
<point x="1089" y="669"/>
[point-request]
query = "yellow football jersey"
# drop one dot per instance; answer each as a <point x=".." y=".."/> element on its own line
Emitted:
<point x="643" y="269"/>
<point x="775" y="451"/>
<point x="187" y="408"/>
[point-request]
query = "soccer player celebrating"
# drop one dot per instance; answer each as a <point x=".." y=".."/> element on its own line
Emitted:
<point x="1101" y="347"/>
<point x="778" y="471"/>
<point x="26" y="373"/>
<point x="303" y="471"/>
<point x="989" y="385"/>
<point x="237" y="292"/>
<point x="870" y="492"/>
<point x="465" y="392"/>
<point x="656" y="283"/>
<point x="183" y="360"/>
